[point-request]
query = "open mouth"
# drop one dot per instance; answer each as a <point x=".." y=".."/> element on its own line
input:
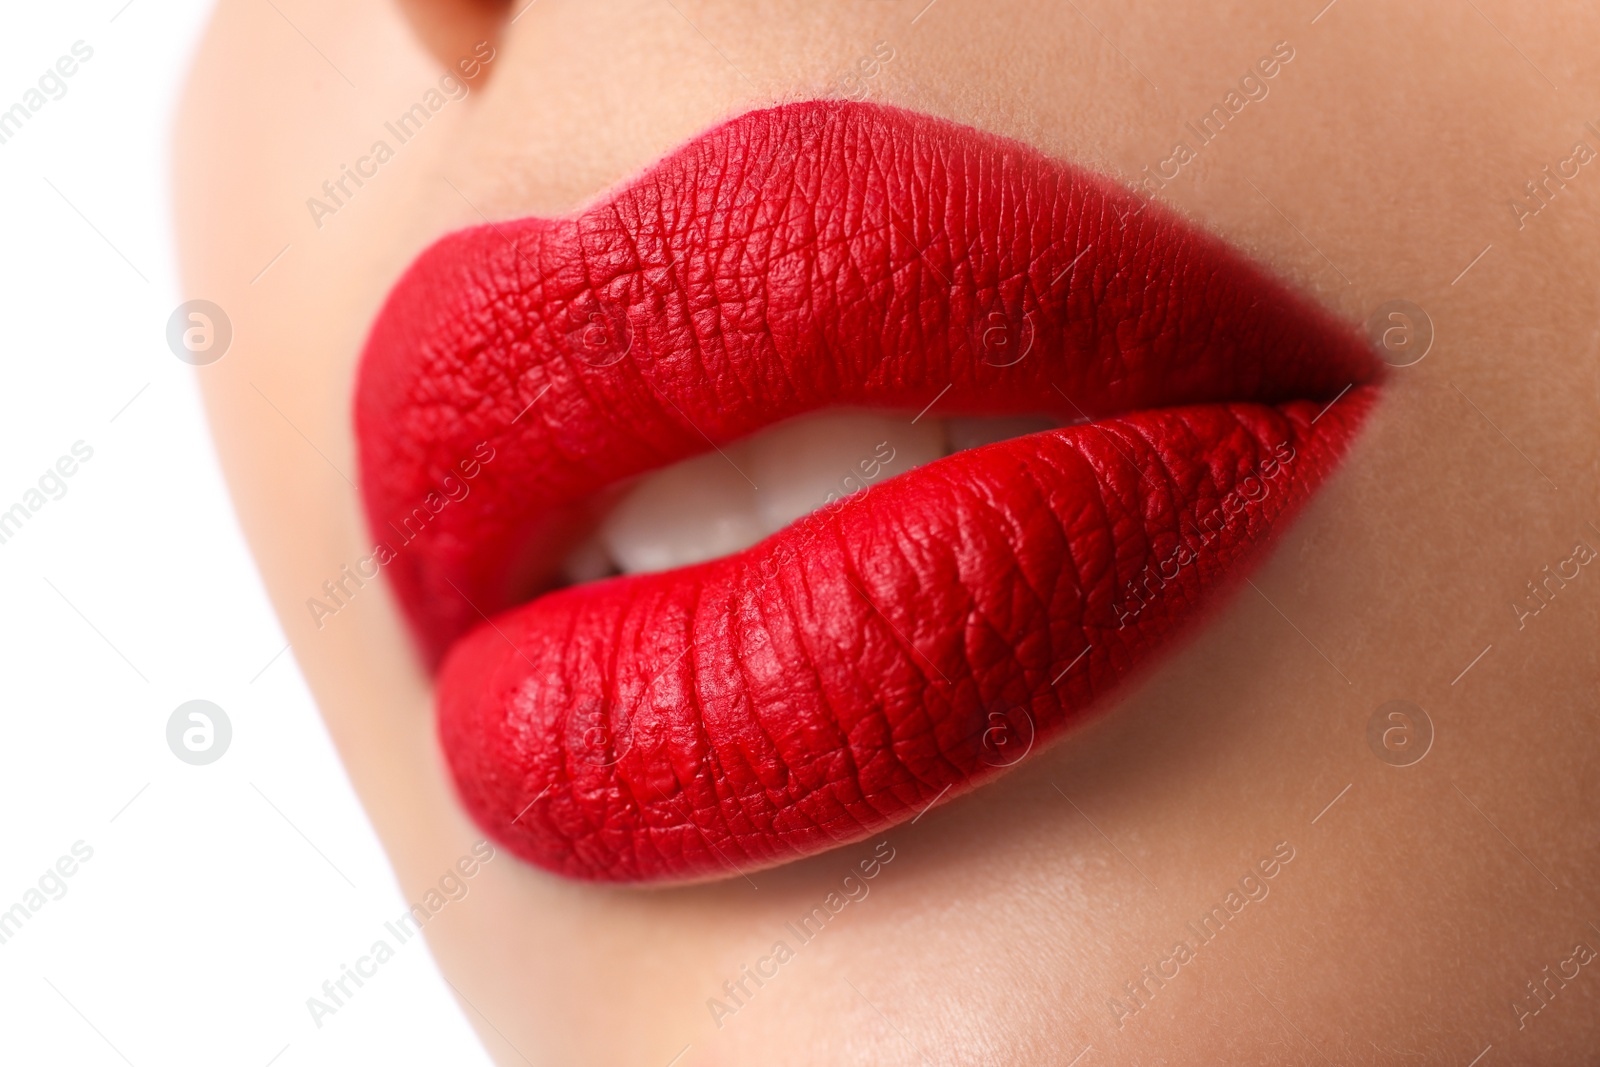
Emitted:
<point x="817" y="474"/>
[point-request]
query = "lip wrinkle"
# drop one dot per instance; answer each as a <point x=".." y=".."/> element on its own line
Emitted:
<point x="759" y="707"/>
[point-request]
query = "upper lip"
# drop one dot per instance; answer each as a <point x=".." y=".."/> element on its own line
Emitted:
<point x="848" y="671"/>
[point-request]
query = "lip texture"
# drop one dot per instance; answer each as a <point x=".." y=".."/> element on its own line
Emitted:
<point x="894" y="649"/>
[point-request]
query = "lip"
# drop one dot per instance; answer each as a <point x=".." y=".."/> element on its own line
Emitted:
<point x="890" y="651"/>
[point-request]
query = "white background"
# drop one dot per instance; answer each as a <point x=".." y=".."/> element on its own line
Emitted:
<point x="219" y="898"/>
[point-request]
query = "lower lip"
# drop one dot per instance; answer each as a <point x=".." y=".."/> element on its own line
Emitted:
<point x="878" y="656"/>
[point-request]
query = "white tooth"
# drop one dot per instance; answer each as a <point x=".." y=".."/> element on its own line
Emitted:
<point x="692" y="511"/>
<point x="704" y="507"/>
<point x="978" y="430"/>
<point x="801" y="464"/>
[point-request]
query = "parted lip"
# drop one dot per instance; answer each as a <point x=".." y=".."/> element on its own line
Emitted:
<point x="891" y="650"/>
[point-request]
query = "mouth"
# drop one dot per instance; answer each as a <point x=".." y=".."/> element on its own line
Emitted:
<point x="816" y="475"/>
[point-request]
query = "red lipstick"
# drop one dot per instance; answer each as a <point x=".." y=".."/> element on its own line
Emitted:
<point x="894" y="648"/>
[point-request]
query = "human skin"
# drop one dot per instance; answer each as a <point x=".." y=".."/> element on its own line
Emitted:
<point x="1384" y="159"/>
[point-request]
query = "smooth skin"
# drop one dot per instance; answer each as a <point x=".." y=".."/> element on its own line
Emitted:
<point x="1385" y="158"/>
